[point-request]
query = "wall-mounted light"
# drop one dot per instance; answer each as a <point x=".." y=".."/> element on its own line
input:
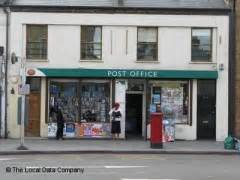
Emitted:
<point x="1" y="50"/>
<point x="221" y="67"/>
<point x="12" y="91"/>
<point x="14" y="58"/>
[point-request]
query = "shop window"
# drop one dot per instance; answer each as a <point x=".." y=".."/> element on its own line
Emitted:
<point x="36" y="44"/>
<point x="202" y="45"/>
<point x="95" y="102"/>
<point x="91" y="43"/>
<point x="173" y="99"/>
<point x="63" y="95"/>
<point x="147" y="44"/>
<point x="79" y="101"/>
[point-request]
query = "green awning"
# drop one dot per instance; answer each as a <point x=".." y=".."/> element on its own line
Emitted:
<point x="129" y="73"/>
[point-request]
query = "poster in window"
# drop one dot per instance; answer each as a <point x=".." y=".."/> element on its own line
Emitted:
<point x="97" y="130"/>
<point x="156" y="98"/>
<point x="52" y="129"/>
<point x="153" y="108"/>
<point x="70" y="130"/>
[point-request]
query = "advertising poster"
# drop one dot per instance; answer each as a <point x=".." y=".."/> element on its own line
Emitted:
<point x="101" y="130"/>
<point x="52" y="129"/>
<point x="97" y="130"/>
<point x="70" y="130"/>
<point x="106" y="127"/>
<point x="79" y="130"/>
<point x="153" y="108"/>
<point x="93" y="130"/>
<point x="88" y="129"/>
<point x="168" y="131"/>
<point x="156" y="98"/>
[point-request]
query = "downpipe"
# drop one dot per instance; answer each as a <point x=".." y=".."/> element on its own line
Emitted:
<point x="6" y="10"/>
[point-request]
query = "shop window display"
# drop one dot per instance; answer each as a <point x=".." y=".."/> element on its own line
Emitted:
<point x="172" y="99"/>
<point x="95" y="102"/>
<point x="173" y="96"/>
<point x="174" y="102"/>
<point x="85" y="107"/>
<point x="63" y="95"/>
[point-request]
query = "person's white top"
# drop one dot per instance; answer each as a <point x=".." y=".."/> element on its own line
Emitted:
<point x="115" y="110"/>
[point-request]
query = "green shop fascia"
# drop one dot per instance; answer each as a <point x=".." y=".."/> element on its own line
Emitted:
<point x="129" y="73"/>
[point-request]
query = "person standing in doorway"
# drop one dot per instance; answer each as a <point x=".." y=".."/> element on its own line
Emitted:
<point x="115" y="116"/>
<point x="60" y="124"/>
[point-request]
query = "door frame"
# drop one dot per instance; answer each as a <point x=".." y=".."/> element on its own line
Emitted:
<point x="143" y="110"/>
<point x="215" y="119"/>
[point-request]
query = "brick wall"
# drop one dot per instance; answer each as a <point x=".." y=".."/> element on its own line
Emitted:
<point x="237" y="100"/>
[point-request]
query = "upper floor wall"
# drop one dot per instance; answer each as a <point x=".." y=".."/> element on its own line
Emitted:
<point x="119" y="39"/>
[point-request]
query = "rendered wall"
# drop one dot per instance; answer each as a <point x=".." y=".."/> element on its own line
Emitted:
<point x="119" y="49"/>
<point x="2" y="80"/>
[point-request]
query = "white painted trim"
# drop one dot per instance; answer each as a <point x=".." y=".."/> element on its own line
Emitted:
<point x="91" y="61"/>
<point x="110" y="19"/>
<point x="43" y="106"/>
<point x="146" y="61"/>
<point x="194" y="109"/>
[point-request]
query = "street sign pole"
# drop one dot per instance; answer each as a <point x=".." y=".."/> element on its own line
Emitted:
<point x="23" y="77"/>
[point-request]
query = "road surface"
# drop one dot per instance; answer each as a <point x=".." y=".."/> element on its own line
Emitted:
<point x="120" y="167"/>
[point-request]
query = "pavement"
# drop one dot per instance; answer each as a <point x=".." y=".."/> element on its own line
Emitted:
<point x="80" y="146"/>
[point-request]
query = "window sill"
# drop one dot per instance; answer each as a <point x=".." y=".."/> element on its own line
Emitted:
<point x="199" y="62"/>
<point x="142" y="61"/>
<point x="178" y="123"/>
<point x="37" y="60"/>
<point x="94" y="61"/>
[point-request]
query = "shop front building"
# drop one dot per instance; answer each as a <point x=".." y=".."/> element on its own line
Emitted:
<point x="86" y="102"/>
<point x="83" y="63"/>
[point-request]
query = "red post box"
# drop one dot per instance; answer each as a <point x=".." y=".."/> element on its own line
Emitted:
<point x="156" y="130"/>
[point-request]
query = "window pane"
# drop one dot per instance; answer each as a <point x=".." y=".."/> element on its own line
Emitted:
<point x="91" y="51"/>
<point x="134" y="85"/>
<point x="36" y="42"/>
<point x="147" y="44"/>
<point x="173" y="96"/>
<point x="95" y="102"/>
<point x="201" y="44"/>
<point x="63" y="95"/>
<point x="35" y="84"/>
<point x="84" y="102"/>
<point x="91" y="42"/>
<point x="147" y="34"/>
<point x="147" y="51"/>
